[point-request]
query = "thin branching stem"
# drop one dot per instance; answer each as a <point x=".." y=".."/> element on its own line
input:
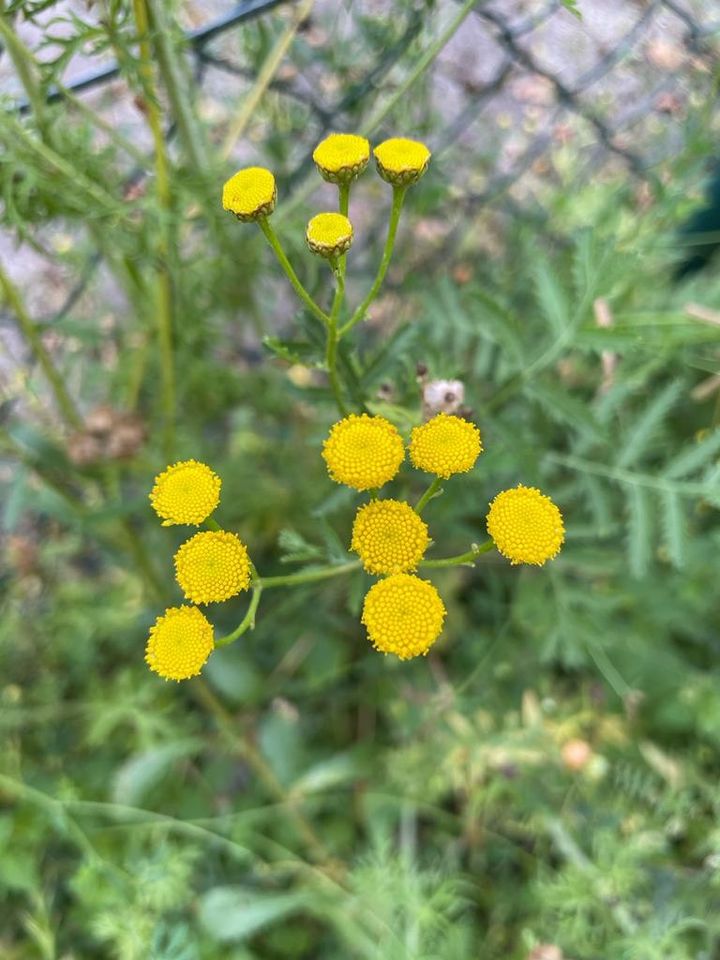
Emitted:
<point x="332" y="336"/>
<point x="299" y="289"/>
<point x="163" y="289"/>
<point x="434" y="490"/>
<point x="361" y="311"/>
<point x="30" y="331"/>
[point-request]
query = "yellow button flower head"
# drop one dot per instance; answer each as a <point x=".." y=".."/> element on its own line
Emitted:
<point x="187" y="492"/>
<point x="329" y="234"/>
<point x="525" y="525"/>
<point x="403" y="615"/>
<point x="212" y="566"/>
<point x="445" y="445"/>
<point x="341" y="157"/>
<point x="389" y="537"/>
<point x="250" y="194"/>
<point x="179" y="643"/>
<point x="363" y="452"/>
<point x="401" y="161"/>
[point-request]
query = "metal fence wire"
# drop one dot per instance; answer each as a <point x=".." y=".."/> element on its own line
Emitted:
<point x="514" y="83"/>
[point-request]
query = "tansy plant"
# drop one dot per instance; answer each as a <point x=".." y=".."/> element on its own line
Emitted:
<point x="403" y="613"/>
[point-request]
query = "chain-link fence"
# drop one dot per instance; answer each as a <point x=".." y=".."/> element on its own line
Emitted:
<point x="505" y="96"/>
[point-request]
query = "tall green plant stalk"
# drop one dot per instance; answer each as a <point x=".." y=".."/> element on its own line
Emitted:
<point x="178" y="89"/>
<point x="30" y="331"/>
<point x="332" y="335"/>
<point x="163" y="288"/>
<point x="243" y="745"/>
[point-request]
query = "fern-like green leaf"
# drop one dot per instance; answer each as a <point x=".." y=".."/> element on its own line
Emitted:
<point x="693" y="458"/>
<point x="639" y="530"/>
<point x="564" y="408"/>
<point x="643" y="430"/>
<point x="673" y="523"/>
<point x="551" y="297"/>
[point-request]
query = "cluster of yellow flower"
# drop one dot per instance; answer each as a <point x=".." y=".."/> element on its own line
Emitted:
<point x="251" y="194"/>
<point x="403" y="613"/>
<point x="210" y="567"/>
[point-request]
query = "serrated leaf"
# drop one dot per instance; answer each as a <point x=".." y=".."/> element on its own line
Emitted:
<point x="643" y="430"/>
<point x="294" y="351"/>
<point x="394" y="348"/>
<point x="692" y="458"/>
<point x="598" y="497"/>
<point x="294" y="548"/>
<point x="551" y="297"/>
<point x="342" y="768"/>
<point x="639" y="530"/>
<point x="572" y="7"/>
<point x="673" y="522"/>
<point x="565" y="409"/>
<point x="236" y="913"/>
<point x="143" y="770"/>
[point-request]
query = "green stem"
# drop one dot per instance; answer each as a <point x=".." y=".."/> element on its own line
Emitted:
<point x="81" y="186"/>
<point x="332" y="336"/>
<point x="398" y="198"/>
<point x="469" y="557"/>
<point x="419" y="69"/>
<point x="434" y="490"/>
<point x="178" y="90"/>
<point x="344" y="190"/>
<point x="248" y="622"/>
<point x="309" y="576"/>
<point x="299" y="289"/>
<point x="25" y="67"/>
<point x="242" y="743"/>
<point x="212" y="524"/>
<point x="163" y="291"/>
<point x="31" y="334"/>
<point x="265" y="75"/>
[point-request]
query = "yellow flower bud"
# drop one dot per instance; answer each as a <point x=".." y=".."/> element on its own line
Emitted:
<point x="341" y="157"/>
<point x="401" y="161"/>
<point x="250" y="194"/>
<point x="329" y="234"/>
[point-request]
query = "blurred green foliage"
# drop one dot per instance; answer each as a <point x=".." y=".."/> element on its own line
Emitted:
<point x="543" y="785"/>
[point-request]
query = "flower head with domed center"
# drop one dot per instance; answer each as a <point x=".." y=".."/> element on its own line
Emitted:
<point x="401" y="161"/>
<point x="403" y="615"/>
<point x="363" y="452"/>
<point x="180" y="643"/>
<point x="187" y="492"/>
<point x="525" y="525"/>
<point x="329" y="234"/>
<point x="250" y="194"/>
<point x="341" y="157"/>
<point x="445" y="445"/>
<point x="389" y="537"/>
<point x="212" y="566"/>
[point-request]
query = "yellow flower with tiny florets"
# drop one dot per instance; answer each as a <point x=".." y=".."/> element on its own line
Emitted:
<point x="363" y="452"/>
<point x="341" y="157"/>
<point x="389" y="537"/>
<point x="212" y="566"/>
<point x="525" y="525"/>
<point x="180" y="643"/>
<point x="187" y="492"/>
<point x="445" y="445"/>
<point x="250" y="194"/>
<point x="329" y="234"/>
<point x="403" y="615"/>
<point x="400" y="161"/>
